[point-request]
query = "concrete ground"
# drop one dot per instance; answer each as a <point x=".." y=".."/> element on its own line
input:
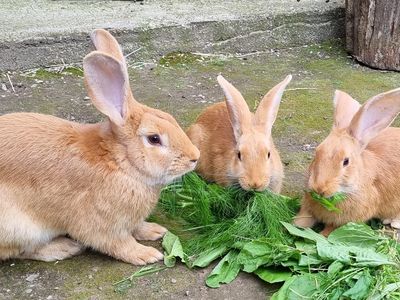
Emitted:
<point x="43" y="32"/>
<point x="183" y="84"/>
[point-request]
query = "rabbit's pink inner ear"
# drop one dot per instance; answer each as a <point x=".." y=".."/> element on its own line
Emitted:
<point x="268" y="108"/>
<point x="345" y="109"/>
<point x="239" y="113"/>
<point x="105" y="42"/>
<point x="375" y="115"/>
<point x="107" y="85"/>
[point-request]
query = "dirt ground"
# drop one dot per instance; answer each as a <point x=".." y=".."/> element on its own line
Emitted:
<point x="183" y="84"/>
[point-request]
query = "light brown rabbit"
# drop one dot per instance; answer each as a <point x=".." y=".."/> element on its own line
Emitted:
<point x="361" y="158"/>
<point x="236" y="145"/>
<point x="95" y="182"/>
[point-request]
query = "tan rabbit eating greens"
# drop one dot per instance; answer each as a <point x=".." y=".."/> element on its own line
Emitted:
<point x="236" y="145"/>
<point x="361" y="158"/>
<point x="96" y="183"/>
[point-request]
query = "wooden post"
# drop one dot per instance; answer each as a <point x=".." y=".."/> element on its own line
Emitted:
<point x="373" y="32"/>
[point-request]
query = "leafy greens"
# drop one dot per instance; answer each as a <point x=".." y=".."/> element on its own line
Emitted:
<point x="251" y="232"/>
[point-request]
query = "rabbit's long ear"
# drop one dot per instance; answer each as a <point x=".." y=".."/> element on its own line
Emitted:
<point x="375" y="115"/>
<point x="345" y="109"/>
<point x="105" y="42"/>
<point x="267" y="110"/>
<point x="239" y="113"/>
<point x="107" y="85"/>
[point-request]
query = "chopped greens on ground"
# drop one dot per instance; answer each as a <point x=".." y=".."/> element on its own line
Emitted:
<point x="126" y="283"/>
<point x="251" y="232"/>
<point x="329" y="203"/>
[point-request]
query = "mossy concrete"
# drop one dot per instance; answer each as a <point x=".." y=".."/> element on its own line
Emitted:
<point x="184" y="87"/>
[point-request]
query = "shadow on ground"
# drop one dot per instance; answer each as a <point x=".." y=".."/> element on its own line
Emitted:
<point x="183" y="84"/>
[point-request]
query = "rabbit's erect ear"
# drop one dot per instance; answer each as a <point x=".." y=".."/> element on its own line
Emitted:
<point x="375" y="115"/>
<point x="108" y="85"/>
<point x="269" y="105"/>
<point x="345" y="109"/>
<point x="239" y="113"/>
<point x="105" y="42"/>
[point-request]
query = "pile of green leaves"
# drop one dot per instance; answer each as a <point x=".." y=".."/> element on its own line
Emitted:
<point x="329" y="203"/>
<point x="250" y="232"/>
<point x="354" y="262"/>
<point x="220" y="218"/>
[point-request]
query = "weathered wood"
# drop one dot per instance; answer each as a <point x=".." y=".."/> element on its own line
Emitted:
<point x="373" y="32"/>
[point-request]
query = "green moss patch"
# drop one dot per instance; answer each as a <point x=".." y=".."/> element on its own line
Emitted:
<point x="181" y="59"/>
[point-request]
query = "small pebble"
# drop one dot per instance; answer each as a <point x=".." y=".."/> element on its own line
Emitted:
<point x="187" y="293"/>
<point x="3" y="87"/>
<point x="49" y="297"/>
<point x="173" y="280"/>
<point x="28" y="291"/>
<point x="32" y="277"/>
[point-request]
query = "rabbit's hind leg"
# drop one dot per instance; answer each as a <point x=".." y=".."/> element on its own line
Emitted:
<point x="58" y="249"/>
<point x="7" y="252"/>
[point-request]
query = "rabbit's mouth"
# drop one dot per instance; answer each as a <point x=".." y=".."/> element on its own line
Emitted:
<point x="258" y="186"/>
<point x="169" y="178"/>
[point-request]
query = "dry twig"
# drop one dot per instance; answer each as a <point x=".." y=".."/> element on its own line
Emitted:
<point x="9" y="80"/>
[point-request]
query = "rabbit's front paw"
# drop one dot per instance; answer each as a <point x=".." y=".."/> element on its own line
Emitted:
<point x="327" y="230"/>
<point x="304" y="219"/>
<point x="147" y="231"/>
<point x="394" y="223"/>
<point x="145" y="255"/>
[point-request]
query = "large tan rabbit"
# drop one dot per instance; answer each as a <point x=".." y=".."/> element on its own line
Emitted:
<point x="236" y="145"/>
<point x="97" y="183"/>
<point x="360" y="157"/>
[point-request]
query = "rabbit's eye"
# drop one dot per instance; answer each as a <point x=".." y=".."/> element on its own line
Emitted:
<point x="239" y="155"/>
<point x="345" y="161"/>
<point x="269" y="154"/>
<point x="154" y="139"/>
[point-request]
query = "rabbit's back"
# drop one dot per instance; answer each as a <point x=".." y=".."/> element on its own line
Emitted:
<point x="385" y="150"/>
<point x="212" y="134"/>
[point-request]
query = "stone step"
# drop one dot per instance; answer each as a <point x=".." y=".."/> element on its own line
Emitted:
<point x="43" y="33"/>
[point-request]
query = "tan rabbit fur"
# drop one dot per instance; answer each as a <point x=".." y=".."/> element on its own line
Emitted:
<point x="97" y="183"/>
<point x="236" y="145"/>
<point x="360" y="157"/>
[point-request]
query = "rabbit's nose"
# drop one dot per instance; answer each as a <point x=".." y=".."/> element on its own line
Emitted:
<point x="256" y="185"/>
<point x="194" y="155"/>
<point x="321" y="191"/>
